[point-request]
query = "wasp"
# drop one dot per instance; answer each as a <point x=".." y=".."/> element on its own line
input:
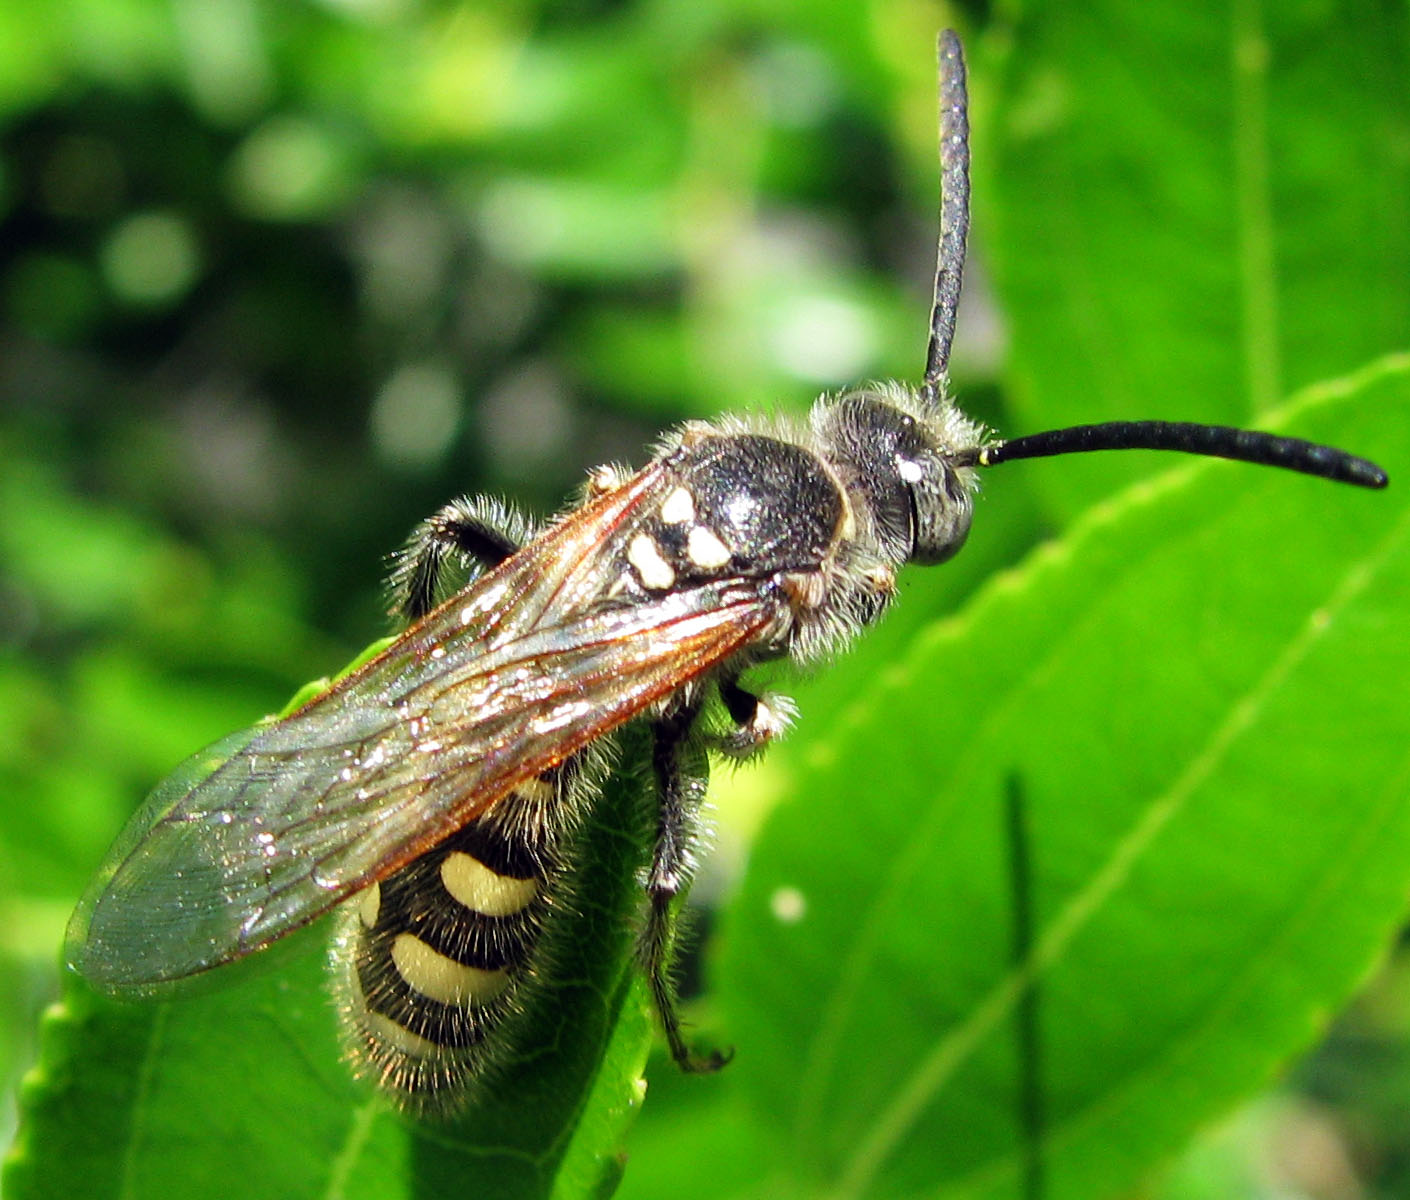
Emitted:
<point x="434" y="792"/>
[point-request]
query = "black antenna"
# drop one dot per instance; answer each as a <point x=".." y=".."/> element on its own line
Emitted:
<point x="1214" y="441"/>
<point x="954" y="213"/>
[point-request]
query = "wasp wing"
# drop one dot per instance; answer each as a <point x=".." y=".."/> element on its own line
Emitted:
<point x="271" y="827"/>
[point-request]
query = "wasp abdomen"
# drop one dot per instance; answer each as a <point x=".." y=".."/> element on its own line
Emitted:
<point x="434" y="954"/>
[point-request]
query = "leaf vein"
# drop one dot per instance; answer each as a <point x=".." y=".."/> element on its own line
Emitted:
<point x="937" y="1068"/>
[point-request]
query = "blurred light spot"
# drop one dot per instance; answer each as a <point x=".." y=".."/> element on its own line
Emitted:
<point x="495" y="307"/>
<point x="522" y="219"/>
<point x="150" y="258"/>
<point x="823" y="338"/>
<point x="82" y="177"/>
<point x="798" y="84"/>
<point x="788" y="905"/>
<point x="596" y="228"/>
<point x="223" y="53"/>
<point x="287" y="169"/>
<point x="374" y="11"/>
<point x="980" y="336"/>
<point x="1042" y="107"/>
<point x="416" y="414"/>
<point x="230" y="452"/>
<point x="464" y="81"/>
<point x="526" y="419"/>
<point x="405" y="248"/>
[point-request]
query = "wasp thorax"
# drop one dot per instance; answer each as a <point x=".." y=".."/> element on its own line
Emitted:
<point x="898" y="460"/>
<point x="770" y="503"/>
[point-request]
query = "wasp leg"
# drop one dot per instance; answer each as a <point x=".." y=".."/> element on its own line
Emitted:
<point x="757" y="719"/>
<point x="475" y="533"/>
<point x="682" y="772"/>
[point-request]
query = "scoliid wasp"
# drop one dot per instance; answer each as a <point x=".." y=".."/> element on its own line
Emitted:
<point x="435" y="791"/>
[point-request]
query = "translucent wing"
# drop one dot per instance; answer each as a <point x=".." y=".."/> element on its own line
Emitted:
<point x="271" y="827"/>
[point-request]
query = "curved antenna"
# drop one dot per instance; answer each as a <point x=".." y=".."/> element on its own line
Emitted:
<point x="1213" y="441"/>
<point x="954" y="213"/>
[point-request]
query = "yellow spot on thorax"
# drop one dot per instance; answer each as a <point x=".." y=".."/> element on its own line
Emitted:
<point x="678" y="507"/>
<point x="706" y="550"/>
<point x="655" y="572"/>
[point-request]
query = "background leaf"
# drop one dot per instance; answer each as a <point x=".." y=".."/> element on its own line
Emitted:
<point x="1194" y="209"/>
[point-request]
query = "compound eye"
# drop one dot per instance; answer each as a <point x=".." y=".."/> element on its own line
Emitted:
<point x="941" y="510"/>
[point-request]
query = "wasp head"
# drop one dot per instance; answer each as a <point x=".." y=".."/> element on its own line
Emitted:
<point x="898" y="457"/>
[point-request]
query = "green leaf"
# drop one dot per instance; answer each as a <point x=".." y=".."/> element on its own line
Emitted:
<point x="241" y="1092"/>
<point x="1193" y="210"/>
<point x="1198" y="692"/>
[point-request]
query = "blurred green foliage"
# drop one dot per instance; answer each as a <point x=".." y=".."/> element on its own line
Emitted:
<point x="279" y="278"/>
